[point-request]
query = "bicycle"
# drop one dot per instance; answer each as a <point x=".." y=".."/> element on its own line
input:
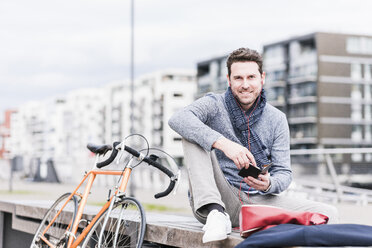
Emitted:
<point x="121" y="222"/>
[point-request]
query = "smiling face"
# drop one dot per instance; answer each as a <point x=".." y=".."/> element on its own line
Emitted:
<point x="246" y="82"/>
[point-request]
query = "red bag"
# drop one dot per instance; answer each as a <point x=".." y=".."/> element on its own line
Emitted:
<point x="253" y="218"/>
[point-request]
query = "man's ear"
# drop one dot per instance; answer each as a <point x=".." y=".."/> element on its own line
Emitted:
<point x="228" y="80"/>
<point x="263" y="76"/>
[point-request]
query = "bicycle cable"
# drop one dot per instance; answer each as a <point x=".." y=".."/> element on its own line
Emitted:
<point x="175" y="162"/>
<point x="147" y="153"/>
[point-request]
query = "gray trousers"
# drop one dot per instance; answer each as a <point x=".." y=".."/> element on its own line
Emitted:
<point x="208" y="185"/>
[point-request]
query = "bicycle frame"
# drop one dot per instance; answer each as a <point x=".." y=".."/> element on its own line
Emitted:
<point x="90" y="176"/>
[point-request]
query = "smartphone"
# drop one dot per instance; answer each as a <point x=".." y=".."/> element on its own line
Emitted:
<point x="253" y="171"/>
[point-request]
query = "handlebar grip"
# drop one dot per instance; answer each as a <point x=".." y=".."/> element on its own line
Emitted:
<point x="110" y="159"/>
<point x="132" y="151"/>
<point x="167" y="172"/>
<point x="167" y="191"/>
<point x="159" y="166"/>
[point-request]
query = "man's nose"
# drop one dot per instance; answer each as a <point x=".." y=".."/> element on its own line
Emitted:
<point x="245" y="84"/>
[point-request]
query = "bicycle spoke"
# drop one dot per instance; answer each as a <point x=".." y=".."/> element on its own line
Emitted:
<point x="124" y="228"/>
<point x="54" y="228"/>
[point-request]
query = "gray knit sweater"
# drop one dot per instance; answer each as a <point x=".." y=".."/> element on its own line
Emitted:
<point x="207" y="119"/>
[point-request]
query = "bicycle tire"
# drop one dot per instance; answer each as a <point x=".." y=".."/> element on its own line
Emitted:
<point x="56" y="233"/>
<point x="130" y="215"/>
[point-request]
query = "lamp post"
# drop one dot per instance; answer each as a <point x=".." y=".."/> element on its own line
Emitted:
<point x="132" y="186"/>
<point x="132" y="68"/>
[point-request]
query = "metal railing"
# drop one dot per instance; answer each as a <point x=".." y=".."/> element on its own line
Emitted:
<point x="332" y="191"/>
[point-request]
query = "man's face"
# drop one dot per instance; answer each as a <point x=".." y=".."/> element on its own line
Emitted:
<point x="246" y="82"/>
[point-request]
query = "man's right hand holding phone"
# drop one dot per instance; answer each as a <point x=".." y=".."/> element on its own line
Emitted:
<point x="262" y="183"/>
<point x="256" y="178"/>
<point x="243" y="158"/>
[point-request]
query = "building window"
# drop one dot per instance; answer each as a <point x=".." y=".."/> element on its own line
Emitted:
<point x="303" y="89"/>
<point x="359" y="45"/>
<point x="303" y="131"/>
<point x="167" y="77"/>
<point x="178" y="95"/>
<point x="274" y="55"/>
<point x="356" y="106"/>
<point x="367" y="72"/>
<point x="356" y="72"/>
<point x="367" y="133"/>
<point x="356" y="134"/>
<point x="303" y="110"/>
<point x="276" y="94"/>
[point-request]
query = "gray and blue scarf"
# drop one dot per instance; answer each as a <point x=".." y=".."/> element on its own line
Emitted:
<point x="240" y="124"/>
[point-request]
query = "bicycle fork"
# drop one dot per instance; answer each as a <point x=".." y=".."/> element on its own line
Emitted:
<point x="117" y="195"/>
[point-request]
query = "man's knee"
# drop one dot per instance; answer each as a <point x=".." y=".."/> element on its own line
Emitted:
<point x="333" y="215"/>
<point x="331" y="212"/>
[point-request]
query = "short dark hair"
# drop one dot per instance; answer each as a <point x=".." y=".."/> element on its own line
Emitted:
<point x="244" y="55"/>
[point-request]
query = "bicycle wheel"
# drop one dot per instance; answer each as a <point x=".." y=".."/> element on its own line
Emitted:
<point x="63" y="223"/>
<point x="125" y="227"/>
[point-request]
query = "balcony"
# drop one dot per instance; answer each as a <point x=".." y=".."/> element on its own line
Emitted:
<point x="302" y="99"/>
<point x="302" y="120"/>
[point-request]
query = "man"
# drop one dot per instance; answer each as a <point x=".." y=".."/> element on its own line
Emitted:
<point x="224" y="133"/>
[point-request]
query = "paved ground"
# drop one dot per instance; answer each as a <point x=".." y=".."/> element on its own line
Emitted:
<point x="26" y="190"/>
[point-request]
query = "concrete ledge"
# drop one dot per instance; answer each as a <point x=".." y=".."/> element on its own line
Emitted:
<point x="167" y="229"/>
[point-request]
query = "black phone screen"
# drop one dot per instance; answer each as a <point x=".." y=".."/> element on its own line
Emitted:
<point x="251" y="171"/>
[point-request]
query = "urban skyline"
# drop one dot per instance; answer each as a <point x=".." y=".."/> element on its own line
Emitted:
<point x="51" y="48"/>
<point x="63" y="125"/>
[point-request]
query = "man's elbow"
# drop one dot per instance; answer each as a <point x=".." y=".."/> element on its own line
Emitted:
<point x="172" y="121"/>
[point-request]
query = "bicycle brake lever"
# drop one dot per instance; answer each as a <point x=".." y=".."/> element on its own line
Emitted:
<point x="122" y="145"/>
<point x="178" y="182"/>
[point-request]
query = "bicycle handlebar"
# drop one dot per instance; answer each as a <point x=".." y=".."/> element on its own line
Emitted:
<point x="109" y="160"/>
<point x="157" y="165"/>
<point x="146" y="159"/>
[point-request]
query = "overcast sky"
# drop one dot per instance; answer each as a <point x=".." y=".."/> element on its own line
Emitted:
<point x="49" y="47"/>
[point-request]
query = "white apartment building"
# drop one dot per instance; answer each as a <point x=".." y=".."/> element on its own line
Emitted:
<point x="156" y="97"/>
<point x="60" y="128"/>
<point x="27" y="134"/>
<point x="170" y="91"/>
<point x="84" y="122"/>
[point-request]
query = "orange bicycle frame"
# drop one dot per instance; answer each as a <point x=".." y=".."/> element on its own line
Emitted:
<point x="91" y="175"/>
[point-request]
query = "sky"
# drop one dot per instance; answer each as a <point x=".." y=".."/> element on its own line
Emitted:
<point x="50" y="47"/>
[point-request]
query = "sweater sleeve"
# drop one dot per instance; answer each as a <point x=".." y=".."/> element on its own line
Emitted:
<point x="280" y="172"/>
<point x="191" y="122"/>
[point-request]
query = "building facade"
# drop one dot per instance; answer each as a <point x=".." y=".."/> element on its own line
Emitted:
<point x="211" y="76"/>
<point x="322" y="81"/>
<point x="5" y="135"/>
<point x="58" y="130"/>
<point x="169" y="90"/>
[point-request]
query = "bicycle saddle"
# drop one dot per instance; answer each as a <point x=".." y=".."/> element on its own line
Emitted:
<point x="99" y="149"/>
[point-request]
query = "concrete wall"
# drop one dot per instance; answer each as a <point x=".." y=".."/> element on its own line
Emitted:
<point x="20" y="219"/>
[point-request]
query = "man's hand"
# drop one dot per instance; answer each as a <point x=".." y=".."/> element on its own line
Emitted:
<point x="262" y="183"/>
<point x="236" y="152"/>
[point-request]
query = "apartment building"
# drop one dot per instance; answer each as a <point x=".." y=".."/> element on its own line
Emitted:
<point x="211" y="76"/>
<point x="5" y="135"/>
<point x="170" y="90"/>
<point x="58" y="129"/>
<point x="322" y="81"/>
<point x="118" y="111"/>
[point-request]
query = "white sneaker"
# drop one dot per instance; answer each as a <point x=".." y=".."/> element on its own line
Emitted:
<point x="217" y="227"/>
